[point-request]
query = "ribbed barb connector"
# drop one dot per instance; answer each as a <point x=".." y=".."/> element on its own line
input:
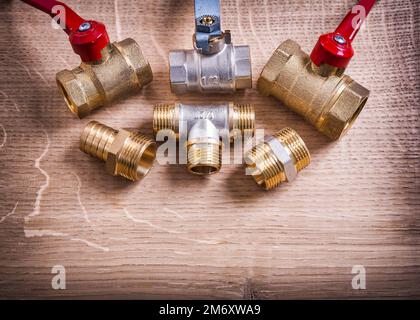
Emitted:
<point x="278" y="159"/>
<point x="128" y="154"/>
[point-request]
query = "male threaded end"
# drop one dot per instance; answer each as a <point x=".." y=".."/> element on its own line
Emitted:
<point x="165" y="118"/>
<point x="128" y="154"/>
<point x="204" y="158"/>
<point x="278" y="162"/>
<point x="296" y="146"/>
<point x="243" y="118"/>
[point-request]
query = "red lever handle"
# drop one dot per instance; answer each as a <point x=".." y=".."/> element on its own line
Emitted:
<point x="87" y="38"/>
<point x="335" y="49"/>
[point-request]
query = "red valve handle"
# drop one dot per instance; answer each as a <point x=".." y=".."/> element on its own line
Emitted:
<point x="335" y="49"/>
<point x="87" y="42"/>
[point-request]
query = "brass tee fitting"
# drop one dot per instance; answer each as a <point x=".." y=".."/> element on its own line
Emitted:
<point x="125" y="153"/>
<point x="278" y="159"/>
<point x="122" y="71"/>
<point x="326" y="98"/>
<point x="201" y="127"/>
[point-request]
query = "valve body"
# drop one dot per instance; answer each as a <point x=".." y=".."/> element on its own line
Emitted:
<point x="225" y="71"/>
<point x="201" y="128"/>
<point x="127" y="154"/>
<point x="122" y="71"/>
<point x="326" y="98"/>
<point x="278" y="159"/>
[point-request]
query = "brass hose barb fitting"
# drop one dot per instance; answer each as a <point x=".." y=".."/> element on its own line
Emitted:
<point x="123" y="71"/>
<point x="128" y="154"/>
<point x="201" y="127"/>
<point x="278" y="159"/>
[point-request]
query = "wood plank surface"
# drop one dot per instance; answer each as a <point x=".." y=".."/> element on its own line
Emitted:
<point x="175" y="235"/>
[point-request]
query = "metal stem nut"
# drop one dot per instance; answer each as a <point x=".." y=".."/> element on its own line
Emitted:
<point x="324" y="96"/>
<point x="125" y="153"/>
<point x="278" y="159"/>
<point x="122" y="72"/>
<point x="201" y="127"/>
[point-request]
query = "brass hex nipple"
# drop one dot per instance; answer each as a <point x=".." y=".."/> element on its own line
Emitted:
<point x="125" y="153"/>
<point x="278" y="159"/>
<point x="201" y="127"/>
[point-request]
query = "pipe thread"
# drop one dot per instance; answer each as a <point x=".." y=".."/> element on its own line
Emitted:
<point x="136" y="156"/>
<point x="243" y="118"/>
<point x="164" y="118"/>
<point x="268" y="168"/>
<point x="296" y="146"/>
<point x="204" y="157"/>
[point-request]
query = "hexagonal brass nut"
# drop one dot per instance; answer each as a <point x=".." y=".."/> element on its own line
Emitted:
<point x="114" y="151"/>
<point x="73" y="93"/>
<point x="345" y="111"/>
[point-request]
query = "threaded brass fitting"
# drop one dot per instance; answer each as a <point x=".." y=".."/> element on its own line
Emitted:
<point x="122" y="72"/>
<point x="202" y="127"/>
<point x="125" y="153"/>
<point x="326" y="98"/>
<point x="278" y="159"/>
<point x="204" y="157"/>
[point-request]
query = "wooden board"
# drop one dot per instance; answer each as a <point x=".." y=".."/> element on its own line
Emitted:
<point x="178" y="236"/>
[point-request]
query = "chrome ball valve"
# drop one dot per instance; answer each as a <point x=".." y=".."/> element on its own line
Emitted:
<point x="215" y="65"/>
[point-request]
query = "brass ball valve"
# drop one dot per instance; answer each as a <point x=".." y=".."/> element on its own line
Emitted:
<point x="315" y="86"/>
<point x="201" y="130"/>
<point x="278" y="159"/>
<point x="215" y="64"/>
<point x="109" y="71"/>
<point x="126" y="153"/>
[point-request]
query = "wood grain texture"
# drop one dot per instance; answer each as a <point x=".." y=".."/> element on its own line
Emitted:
<point x="178" y="236"/>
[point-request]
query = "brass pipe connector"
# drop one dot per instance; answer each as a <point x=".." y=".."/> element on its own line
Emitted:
<point x="326" y="98"/>
<point x="122" y="71"/>
<point x="201" y="127"/>
<point x="125" y="153"/>
<point x="278" y="159"/>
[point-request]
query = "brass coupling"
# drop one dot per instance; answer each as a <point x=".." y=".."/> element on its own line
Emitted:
<point x="202" y="128"/>
<point x="128" y="154"/>
<point x="278" y="159"/>
<point x="324" y="96"/>
<point x="123" y="71"/>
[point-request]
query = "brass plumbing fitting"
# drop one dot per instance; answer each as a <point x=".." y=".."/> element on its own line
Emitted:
<point x="200" y="128"/>
<point x="315" y="86"/>
<point x="109" y="71"/>
<point x="128" y="154"/>
<point x="123" y="71"/>
<point x="277" y="159"/>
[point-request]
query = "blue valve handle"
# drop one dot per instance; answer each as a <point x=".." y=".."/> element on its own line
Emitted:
<point x="207" y="23"/>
